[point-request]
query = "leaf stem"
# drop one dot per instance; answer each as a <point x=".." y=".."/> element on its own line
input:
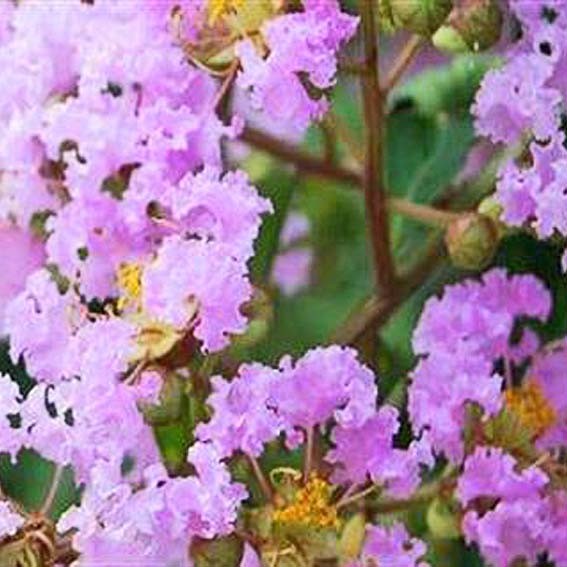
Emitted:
<point x="423" y="496"/>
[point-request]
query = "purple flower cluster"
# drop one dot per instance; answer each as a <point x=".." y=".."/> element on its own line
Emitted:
<point x="524" y="516"/>
<point x="298" y="44"/>
<point x="510" y="500"/>
<point x="326" y="386"/>
<point x="460" y="337"/>
<point x="111" y="155"/>
<point x="125" y="257"/>
<point x="523" y="103"/>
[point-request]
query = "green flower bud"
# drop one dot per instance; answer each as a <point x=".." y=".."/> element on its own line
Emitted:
<point x="449" y="40"/>
<point x="471" y="240"/>
<point x="352" y="538"/>
<point x="491" y="208"/>
<point x="420" y="16"/>
<point x="442" y="519"/>
<point x="474" y="25"/>
<point x="385" y="16"/>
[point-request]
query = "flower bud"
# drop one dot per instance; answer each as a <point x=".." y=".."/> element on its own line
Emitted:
<point x="474" y="25"/>
<point x="471" y="240"/>
<point x="419" y="16"/>
<point x="491" y="208"/>
<point x="442" y="520"/>
<point x="352" y="538"/>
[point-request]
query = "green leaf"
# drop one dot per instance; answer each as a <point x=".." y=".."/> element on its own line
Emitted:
<point x="29" y="479"/>
<point x="448" y="89"/>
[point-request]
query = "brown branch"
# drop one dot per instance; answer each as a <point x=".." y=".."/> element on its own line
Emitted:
<point x="377" y="310"/>
<point x="402" y="62"/>
<point x="305" y="162"/>
<point x="373" y="176"/>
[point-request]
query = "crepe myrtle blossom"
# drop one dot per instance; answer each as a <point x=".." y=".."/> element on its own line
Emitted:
<point x="523" y="103"/>
<point x="391" y="546"/>
<point x="460" y="337"/>
<point x="126" y="247"/>
<point x="514" y="526"/>
<point x="327" y="389"/>
<point x="21" y="255"/>
<point x="158" y="517"/>
<point x="10" y="520"/>
<point x="278" y="51"/>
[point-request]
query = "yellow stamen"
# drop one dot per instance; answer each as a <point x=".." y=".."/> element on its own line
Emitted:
<point x="311" y="506"/>
<point x="219" y="8"/>
<point x="129" y="280"/>
<point x="528" y="402"/>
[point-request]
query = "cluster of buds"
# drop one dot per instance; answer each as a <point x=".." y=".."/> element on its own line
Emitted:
<point x="453" y="25"/>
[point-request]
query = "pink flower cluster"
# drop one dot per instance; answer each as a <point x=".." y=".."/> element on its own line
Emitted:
<point x="513" y="509"/>
<point x="523" y="103"/>
<point x="125" y="259"/>
<point x="460" y="337"/>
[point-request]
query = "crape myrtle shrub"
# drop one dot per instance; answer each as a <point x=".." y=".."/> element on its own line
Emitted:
<point x="282" y="283"/>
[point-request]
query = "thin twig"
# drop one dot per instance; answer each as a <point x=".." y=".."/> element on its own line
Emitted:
<point x="53" y="488"/>
<point x="309" y="447"/>
<point x="373" y="176"/>
<point x="226" y="85"/>
<point x="402" y="62"/>
<point x="351" y="499"/>
<point x="261" y="478"/>
<point x="423" y="213"/>
<point x="445" y="484"/>
<point x="303" y="161"/>
<point x="329" y="141"/>
<point x="347" y="136"/>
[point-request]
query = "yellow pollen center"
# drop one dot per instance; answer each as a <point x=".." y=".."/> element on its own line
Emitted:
<point x="219" y="8"/>
<point x="311" y="506"/>
<point x="532" y="408"/>
<point x="129" y="280"/>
